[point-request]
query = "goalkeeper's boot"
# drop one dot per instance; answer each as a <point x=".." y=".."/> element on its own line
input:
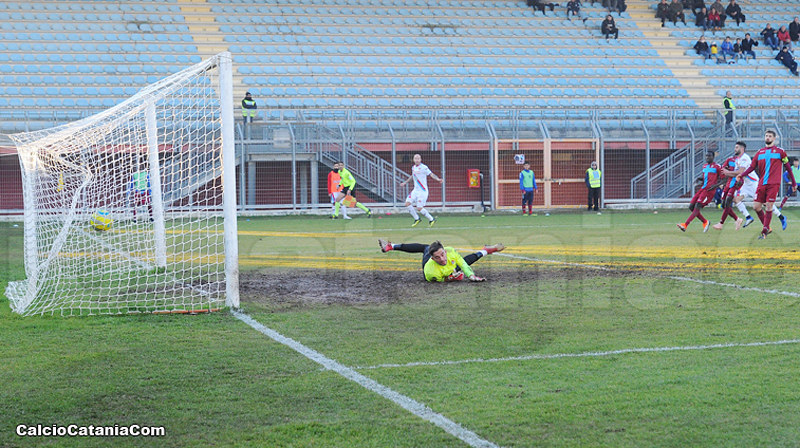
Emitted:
<point x="784" y="222"/>
<point x="416" y="221"/>
<point x="494" y="248"/>
<point x="430" y="224"/>
<point x="682" y="226"/>
<point x="749" y="220"/>
<point x="386" y="246"/>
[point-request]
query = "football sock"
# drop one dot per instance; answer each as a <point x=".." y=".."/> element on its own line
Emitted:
<point x="344" y="211"/>
<point x="742" y="208"/>
<point x="783" y="202"/>
<point x="413" y="212"/>
<point x="724" y="215"/>
<point x="695" y="214"/>
<point x="760" y="214"/>
<point x="426" y="214"/>
<point x="361" y="206"/>
<point x="336" y="209"/>
<point x="776" y="211"/>
<point x="767" y="219"/>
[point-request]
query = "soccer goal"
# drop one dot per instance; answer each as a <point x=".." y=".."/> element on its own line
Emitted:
<point x="134" y="209"/>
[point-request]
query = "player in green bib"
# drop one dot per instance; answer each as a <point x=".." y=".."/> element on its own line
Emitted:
<point x="443" y="264"/>
<point x="348" y="183"/>
<point x="139" y="192"/>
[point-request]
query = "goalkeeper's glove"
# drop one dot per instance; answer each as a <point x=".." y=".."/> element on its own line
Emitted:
<point x="455" y="276"/>
<point x="475" y="278"/>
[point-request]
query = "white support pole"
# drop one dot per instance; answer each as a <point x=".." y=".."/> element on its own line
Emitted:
<point x="159" y="227"/>
<point x="29" y="174"/>
<point x="229" y="181"/>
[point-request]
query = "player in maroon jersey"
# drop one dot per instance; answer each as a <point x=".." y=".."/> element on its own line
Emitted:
<point x="712" y="173"/>
<point x="728" y="192"/>
<point x="768" y="163"/>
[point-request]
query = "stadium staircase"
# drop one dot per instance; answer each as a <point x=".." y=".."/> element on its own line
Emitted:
<point x="669" y="49"/>
<point x="377" y="176"/>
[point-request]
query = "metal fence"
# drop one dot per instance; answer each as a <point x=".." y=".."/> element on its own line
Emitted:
<point x="284" y="164"/>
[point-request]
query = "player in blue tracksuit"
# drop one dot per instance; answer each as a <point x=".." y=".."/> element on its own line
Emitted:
<point x="527" y="183"/>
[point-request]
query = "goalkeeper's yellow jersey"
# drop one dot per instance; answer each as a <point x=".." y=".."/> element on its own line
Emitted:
<point x="434" y="272"/>
<point x="347" y="179"/>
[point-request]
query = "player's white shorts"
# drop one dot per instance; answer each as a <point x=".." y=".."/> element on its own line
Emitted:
<point x="417" y="198"/>
<point x="748" y="190"/>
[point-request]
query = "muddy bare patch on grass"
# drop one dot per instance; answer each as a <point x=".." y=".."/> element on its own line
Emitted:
<point x="296" y="287"/>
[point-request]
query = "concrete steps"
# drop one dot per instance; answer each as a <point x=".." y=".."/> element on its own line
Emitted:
<point x="673" y="55"/>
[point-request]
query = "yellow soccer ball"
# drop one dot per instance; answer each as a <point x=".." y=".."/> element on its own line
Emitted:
<point x="101" y="220"/>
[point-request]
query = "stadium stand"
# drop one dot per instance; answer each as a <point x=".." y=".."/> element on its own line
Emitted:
<point x="301" y="58"/>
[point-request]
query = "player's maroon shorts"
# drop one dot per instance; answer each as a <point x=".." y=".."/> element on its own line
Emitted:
<point x="767" y="193"/>
<point x="703" y="197"/>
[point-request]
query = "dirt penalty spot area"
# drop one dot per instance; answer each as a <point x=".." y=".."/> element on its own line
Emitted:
<point x="304" y="287"/>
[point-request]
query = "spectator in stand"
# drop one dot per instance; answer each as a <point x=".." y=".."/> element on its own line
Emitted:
<point x="747" y="46"/>
<point x="662" y="11"/>
<point x="697" y="6"/>
<point x="794" y="29"/>
<point x="784" y="40"/>
<point x="676" y="12"/>
<point x="540" y="5"/>
<point x="621" y="6"/>
<point x="737" y="49"/>
<point x="701" y="19"/>
<point x="768" y="33"/>
<point x="608" y="27"/>
<point x="574" y="7"/>
<point x="720" y="10"/>
<point x="787" y="60"/>
<point x="714" y="20"/>
<point x="734" y="11"/>
<point x="715" y="52"/>
<point x="612" y="5"/>
<point x="701" y="47"/>
<point x="726" y="50"/>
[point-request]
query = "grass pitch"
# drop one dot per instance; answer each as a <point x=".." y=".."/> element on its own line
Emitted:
<point x="484" y="355"/>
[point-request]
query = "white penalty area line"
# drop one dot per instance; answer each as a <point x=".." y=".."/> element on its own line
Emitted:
<point x="407" y="403"/>
<point x="585" y="354"/>
<point x="671" y="277"/>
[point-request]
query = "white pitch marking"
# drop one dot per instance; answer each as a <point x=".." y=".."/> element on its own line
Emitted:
<point x="407" y="403"/>
<point x="672" y="277"/>
<point x="584" y="354"/>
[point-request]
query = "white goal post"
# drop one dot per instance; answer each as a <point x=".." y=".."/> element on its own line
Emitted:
<point x="134" y="209"/>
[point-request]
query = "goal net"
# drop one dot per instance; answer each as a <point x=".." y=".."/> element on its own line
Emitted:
<point x="134" y="209"/>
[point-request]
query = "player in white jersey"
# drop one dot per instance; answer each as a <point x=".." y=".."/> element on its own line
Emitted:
<point x="749" y="185"/>
<point x="415" y="202"/>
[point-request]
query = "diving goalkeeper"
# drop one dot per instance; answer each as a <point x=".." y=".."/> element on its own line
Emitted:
<point x="443" y="264"/>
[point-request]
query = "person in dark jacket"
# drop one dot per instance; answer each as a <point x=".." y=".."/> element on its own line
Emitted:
<point x="701" y="47"/>
<point x="786" y="58"/>
<point x="676" y="12"/>
<point x="608" y="27"/>
<point x="697" y="5"/>
<point x="734" y="11"/>
<point x="662" y="11"/>
<point x="540" y="5"/>
<point x="747" y="46"/>
<point x="768" y="33"/>
<point x="701" y="19"/>
<point x="249" y="107"/>
<point x="794" y="29"/>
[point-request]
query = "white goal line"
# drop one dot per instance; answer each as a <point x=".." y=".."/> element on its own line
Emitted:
<point x="419" y="409"/>
<point x="583" y="354"/>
